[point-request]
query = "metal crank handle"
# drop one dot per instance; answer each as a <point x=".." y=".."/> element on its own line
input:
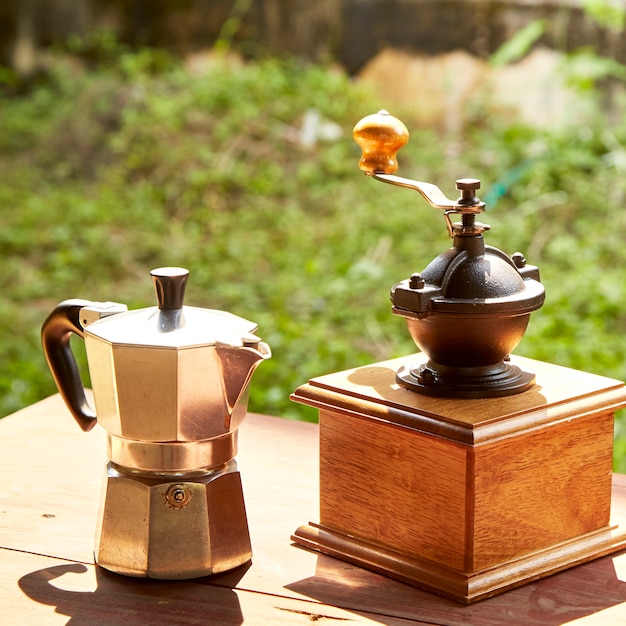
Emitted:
<point x="380" y="136"/>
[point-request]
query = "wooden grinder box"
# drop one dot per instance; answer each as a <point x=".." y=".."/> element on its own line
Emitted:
<point x="466" y="498"/>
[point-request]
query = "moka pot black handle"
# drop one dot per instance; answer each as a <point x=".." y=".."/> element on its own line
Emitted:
<point x="55" y="337"/>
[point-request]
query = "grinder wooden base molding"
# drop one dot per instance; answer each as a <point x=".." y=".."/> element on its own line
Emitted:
<point x="465" y="497"/>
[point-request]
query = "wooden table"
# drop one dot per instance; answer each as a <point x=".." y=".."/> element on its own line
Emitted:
<point x="50" y="478"/>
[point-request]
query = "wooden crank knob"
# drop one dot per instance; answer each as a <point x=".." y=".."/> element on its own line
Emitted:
<point x="380" y="136"/>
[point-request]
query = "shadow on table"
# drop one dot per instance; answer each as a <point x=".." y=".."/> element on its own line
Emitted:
<point x="576" y="593"/>
<point x="134" y="601"/>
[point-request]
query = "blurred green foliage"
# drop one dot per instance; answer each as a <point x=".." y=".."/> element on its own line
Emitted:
<point x="125" y="161"/>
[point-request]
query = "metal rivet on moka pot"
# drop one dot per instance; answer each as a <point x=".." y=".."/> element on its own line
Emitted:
<point x="170" y="386"/>
<point x="470" y="307"/>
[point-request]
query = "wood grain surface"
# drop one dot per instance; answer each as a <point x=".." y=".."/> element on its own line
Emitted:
<point x="402" y="488"/>
<point x="559" y="394"/>
<point x="51" y="473"/>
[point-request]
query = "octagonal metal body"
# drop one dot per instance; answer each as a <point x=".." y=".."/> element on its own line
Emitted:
<point x="183" y="528"/>
<point x="163" y="393"/>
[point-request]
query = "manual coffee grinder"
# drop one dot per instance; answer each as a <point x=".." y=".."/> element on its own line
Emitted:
<point x="170" y="386"/>
<point x="462" y="469"/>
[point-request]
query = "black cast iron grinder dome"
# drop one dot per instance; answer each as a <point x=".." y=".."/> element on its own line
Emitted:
<point x="469" y="309"/>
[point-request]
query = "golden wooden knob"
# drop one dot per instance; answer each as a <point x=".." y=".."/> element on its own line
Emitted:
<point x="380" y="136"/>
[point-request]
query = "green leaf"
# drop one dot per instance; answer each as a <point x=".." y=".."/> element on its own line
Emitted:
<point x="606" y="13"/>
<point x="520" y="44"/>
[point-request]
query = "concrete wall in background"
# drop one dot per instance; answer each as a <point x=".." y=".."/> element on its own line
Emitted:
<point x="351" y="32"/>
<point x="429" y="56"/>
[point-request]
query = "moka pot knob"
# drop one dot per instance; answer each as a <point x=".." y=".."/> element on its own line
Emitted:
<point x="170" y="284"/>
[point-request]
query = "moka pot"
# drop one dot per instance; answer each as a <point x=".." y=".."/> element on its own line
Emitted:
<point x="170" y="387"/>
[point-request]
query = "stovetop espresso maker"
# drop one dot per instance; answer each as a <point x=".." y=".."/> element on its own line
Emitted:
<point x="170" y="386"/>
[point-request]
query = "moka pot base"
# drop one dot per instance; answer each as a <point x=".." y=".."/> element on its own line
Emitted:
<point x="172" y="510"/>
<point x="464" y="497"/>
<point x="172" y="525"/>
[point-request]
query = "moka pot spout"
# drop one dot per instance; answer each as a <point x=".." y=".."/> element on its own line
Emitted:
<point x="237" y="365"/>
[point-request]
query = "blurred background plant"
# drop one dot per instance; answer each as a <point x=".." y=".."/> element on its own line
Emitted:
<point x="118" y="160"/>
